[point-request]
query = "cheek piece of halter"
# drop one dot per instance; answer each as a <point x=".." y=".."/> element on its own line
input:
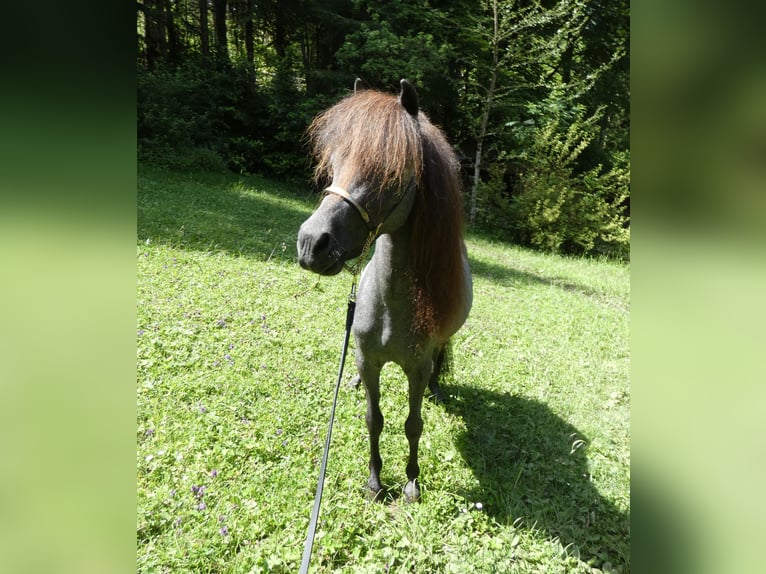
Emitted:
<point x="374" y="230"/>
<point x="346" y="196"/>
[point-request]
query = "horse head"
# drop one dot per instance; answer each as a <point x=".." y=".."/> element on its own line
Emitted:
<point x="369" y="146"/>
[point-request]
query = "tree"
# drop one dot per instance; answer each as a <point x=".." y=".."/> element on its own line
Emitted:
<point x="249" y="44"/>
<point x="162" y="43"/>
<point x="219" y="22"/>
<point x="204" y="34"/>
<point x="518" y="47"/>
<point x="394" y="40"/>
<point x="155" y="41"/>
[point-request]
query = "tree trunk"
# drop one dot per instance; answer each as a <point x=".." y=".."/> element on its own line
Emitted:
<point x="480" y="145"/>
<point x="475" y="184"/>
<point x="249" y="45"/>
<point x="219" y="17"/>
<point x="154" y="32"/>
<point x="280" y="35"/>
<point x="204" y="36"/>
<point x="174" y="43"/>
<point x="160" y="16"/>
<point x="485" y="118"/>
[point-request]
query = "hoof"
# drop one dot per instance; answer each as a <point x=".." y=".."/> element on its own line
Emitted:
<point x="412" y="491"/>
<point x="375" y="495"/>
<point x="436" y="393"/>
<point x="375" y="490"/>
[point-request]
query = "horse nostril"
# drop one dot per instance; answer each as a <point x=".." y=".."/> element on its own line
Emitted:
<point x="322" y="243"/>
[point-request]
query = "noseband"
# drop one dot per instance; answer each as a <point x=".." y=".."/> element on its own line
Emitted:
<point x="340" y="192"/>
<point x="346" y="196"/>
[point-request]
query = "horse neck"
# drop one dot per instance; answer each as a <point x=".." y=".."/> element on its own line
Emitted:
<point x="392" y="257"/>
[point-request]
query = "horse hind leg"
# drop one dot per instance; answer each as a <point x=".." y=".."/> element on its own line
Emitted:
<point x="440" y="368"/>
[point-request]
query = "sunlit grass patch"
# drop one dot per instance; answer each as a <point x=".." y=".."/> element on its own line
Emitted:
<point x="524" y="469"/>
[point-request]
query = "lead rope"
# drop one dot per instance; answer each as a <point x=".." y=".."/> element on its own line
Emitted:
<point x="354" y="270"/>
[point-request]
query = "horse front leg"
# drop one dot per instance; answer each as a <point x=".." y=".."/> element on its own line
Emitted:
<point x="413" y="426"/>
<point x="370" y="375"/>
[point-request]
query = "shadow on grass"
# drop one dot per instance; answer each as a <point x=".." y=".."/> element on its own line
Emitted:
<point x="240" y="215"/>
<point x="531" y="465"/>
<point x="502" y="275"/>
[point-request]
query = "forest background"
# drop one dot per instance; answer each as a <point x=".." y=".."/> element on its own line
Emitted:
<point x="533" y="95"/>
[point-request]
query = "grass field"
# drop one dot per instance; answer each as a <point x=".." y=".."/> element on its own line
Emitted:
<point x="526" y="468"/>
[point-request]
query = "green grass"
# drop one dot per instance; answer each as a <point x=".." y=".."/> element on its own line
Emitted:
<point x="524" y="469"/>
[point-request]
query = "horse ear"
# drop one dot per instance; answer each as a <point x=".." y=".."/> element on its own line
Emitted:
<point x="358" y="87"/>
<point x="408" y="97"/>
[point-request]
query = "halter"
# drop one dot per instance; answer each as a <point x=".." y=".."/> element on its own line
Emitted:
<point x="340" y="192"/>
<point x="374" y="230"/>
<point x="346" y="196"/>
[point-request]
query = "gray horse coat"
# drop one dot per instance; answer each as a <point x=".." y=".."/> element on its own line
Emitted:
<point x="395" y="180"/>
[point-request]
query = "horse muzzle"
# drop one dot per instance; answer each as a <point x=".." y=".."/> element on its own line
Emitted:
<point x="320" y="253"/>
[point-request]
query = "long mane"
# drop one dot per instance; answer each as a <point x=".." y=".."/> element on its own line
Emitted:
<point x="371" y="133"/>
<point x="437" y="234"/>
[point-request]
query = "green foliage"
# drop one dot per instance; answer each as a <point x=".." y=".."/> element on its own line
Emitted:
<point x="495" y="202"/>
<point x="186" y="113"/>
<point x="214" y="116"/>
<point x="555" y="208"/>
<point x="395" y="40"/>
<point x="550" y="179"/>
<point x="288" y="113"/>
<point x="378" y="53"/>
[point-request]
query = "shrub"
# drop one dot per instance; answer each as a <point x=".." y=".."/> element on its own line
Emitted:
<point x="181" y="159"/>
<point x="555" y="209"/>
<point x="213" y="115"/>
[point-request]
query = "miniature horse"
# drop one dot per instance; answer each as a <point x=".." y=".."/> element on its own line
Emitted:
<point x="395" y="181"/>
